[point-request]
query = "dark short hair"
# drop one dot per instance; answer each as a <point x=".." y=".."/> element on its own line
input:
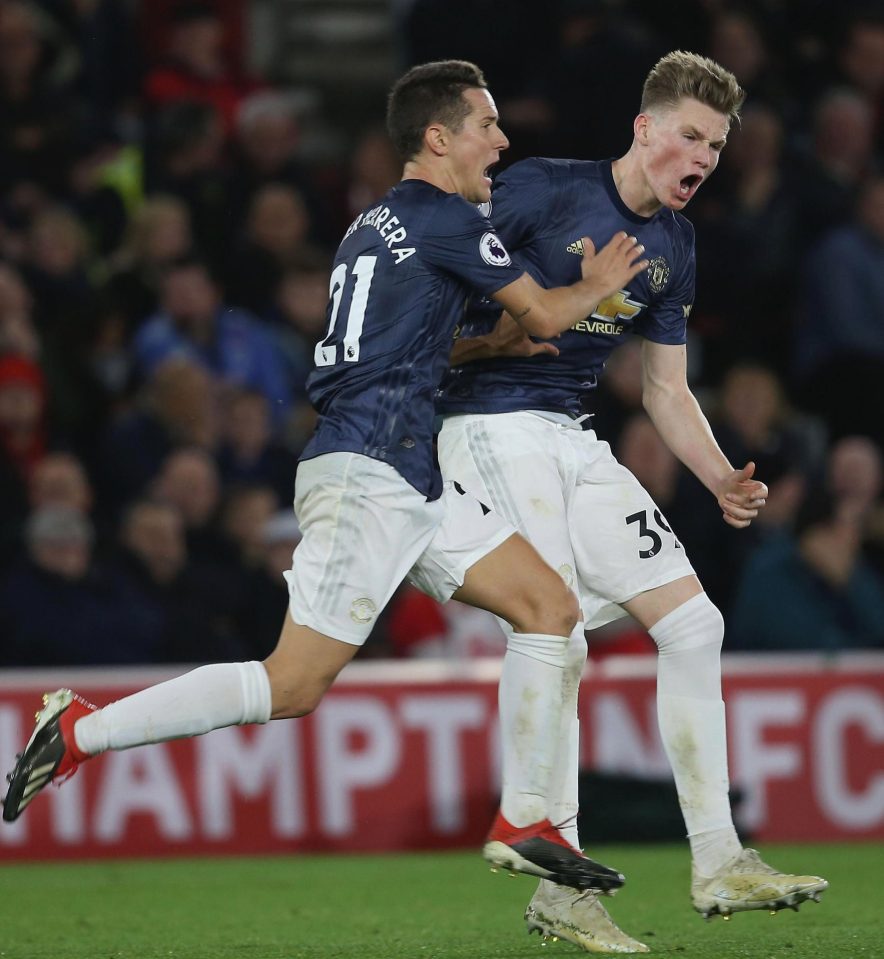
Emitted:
<point x="429" y="93"/>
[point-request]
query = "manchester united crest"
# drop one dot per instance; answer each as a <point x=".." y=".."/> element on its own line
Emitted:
<point x="658" y="274"/>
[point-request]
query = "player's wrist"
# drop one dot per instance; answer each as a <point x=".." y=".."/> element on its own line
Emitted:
<point x="473" y="348"/>
<point x="595" y="290"/>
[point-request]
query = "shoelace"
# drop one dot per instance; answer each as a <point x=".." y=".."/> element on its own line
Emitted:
<point x="566" y="822"/>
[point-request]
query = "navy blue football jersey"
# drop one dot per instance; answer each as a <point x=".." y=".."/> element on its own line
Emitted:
<point x="401" y="279"/>
<point x="541" y="208"/>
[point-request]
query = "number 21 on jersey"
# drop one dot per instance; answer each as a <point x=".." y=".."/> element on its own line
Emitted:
<point x="326" y="352"/>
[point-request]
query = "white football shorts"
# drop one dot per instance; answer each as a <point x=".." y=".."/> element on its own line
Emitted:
<point x="365" y="530"/>
<point x="562" y="488"/>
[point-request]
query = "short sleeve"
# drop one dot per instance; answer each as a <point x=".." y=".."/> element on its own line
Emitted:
<point x="667" y="318"/>
<point x="464" y="243"/>
<point x="521" y="198"/>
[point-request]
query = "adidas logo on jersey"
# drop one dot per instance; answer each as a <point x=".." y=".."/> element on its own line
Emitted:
<point x="575" y="247"/>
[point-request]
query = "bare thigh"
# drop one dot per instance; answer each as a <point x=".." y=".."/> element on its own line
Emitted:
<point x="514" y="583"/>
<point x="652" y="605"/>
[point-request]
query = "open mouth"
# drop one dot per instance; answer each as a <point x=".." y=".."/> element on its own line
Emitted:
<point x="689" y="184"/>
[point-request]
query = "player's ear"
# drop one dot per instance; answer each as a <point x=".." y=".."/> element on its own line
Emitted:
<point x="640" y="128"/>
<point x="436" y="139"/>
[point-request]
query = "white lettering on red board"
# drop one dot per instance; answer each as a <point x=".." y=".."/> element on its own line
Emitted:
<point x="267" y="761"/>
<point x="861" y="808"/>
<point x="320" y="778"/>
<point x="443" y="719"/>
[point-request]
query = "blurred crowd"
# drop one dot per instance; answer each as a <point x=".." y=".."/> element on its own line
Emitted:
<point x="165" y="247"/>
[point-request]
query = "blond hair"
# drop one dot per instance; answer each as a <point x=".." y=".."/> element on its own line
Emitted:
<point x="681" y="75"/>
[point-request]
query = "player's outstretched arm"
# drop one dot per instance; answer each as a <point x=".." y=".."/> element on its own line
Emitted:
<point x="506" y="339"/>
<point x="546" y="313"/>
<point x="686" y="431"/>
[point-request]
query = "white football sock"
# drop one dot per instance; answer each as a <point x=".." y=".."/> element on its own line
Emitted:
<point x="530" y="703"/>
<point x="223" y="694"/>
<point x="691" y="715"/>
<point x="563" y="786"/>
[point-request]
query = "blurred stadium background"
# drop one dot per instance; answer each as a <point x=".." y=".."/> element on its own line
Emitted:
<point x="173" y="181"/>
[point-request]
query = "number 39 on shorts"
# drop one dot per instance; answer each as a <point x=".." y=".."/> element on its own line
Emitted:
<point x="650" y="541"/>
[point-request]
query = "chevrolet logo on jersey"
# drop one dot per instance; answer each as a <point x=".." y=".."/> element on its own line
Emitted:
<point x="598" y="326"/>
<point x="618" y="307"/>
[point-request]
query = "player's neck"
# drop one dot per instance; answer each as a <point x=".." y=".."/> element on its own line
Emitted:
<point x="436" y="175"/>
<point x="632" y="185"/>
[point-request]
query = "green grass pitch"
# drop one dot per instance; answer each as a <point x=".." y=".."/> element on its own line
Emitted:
<point x="419" y="906"/>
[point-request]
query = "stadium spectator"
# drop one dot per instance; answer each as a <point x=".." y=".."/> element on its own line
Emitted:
<point x="38" y="116"/>
<point x="57" y="606"/>
<point x="196" y="67"/>
<point x="839" y="339"/>
<point x="188" y="480"/>
<point x="23" y="442"/>
<point x="105" y="77"/>
<point x="185" y="159"/>
<point x="23" y="435"/>
<point x="434" y="30"/>
<point x="736" y="41"/>
<point x="248" y="452"/>
<point x="60" y="480"/>
<point x="276" y="236"/>
<point x="812" y="590"/>
<point x="753" y="421"/>
<point x="855" y="480"/>
<point x="152" y="562"/>
<point x="744" y="307"/>
<point x="105" y="183"/>
<point x="194" y="323"/>
<point x="18" y="333"/>
<point x="266" y="593"/>
<point x="374" y="168"/>
<point x="177" y="406"/>
<point x="299" y="315"/>
<point x="830" y="169"/>
<point x="153" y="533"/>
<point x="268" y="138"/>
<point x="158" y="234"/>
<point x="56" y="267"/>
<point x="244" y="513"/>
<point x="593" y="43"/>
<point x="860" y="62"/>
<point x="855" y="474"/>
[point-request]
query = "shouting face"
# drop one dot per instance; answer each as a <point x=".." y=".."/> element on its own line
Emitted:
<point x="476" y="147"/>
<point x="681" y="147"/>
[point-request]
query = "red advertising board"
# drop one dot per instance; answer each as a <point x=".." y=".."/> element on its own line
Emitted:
<point x="406" y="756"/>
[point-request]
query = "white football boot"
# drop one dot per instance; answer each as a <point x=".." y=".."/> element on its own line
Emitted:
<point x="747" y="882"/>
<point x="557" y="912"/>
